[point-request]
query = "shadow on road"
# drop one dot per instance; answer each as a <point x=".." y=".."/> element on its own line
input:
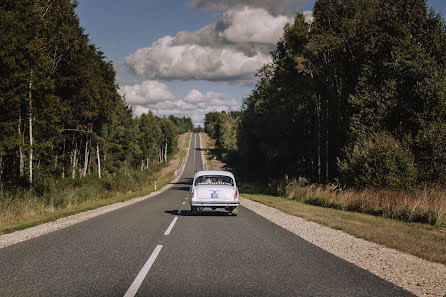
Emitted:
<point x="208" y="213"/>
<point x="185" y="181"/>
<point x="185" y="188"/>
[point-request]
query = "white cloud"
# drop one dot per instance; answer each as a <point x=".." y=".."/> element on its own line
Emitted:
<point x="146" y="93"/>
<point x="193" y="62"/>
<point x="139" y="110"/>
<point x="274" y="7"/>
<point x="308" y="14"/>
<point x="194" y="103"/>
<point x="252" y="25"/>
<point x="233" y="49"/>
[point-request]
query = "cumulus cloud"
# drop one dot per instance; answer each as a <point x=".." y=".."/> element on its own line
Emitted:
<point x="232" y="49"/>
<point x="308" y="14"/>
<point x="252" y="25"/>
<point x="274" y="7"/>
<point x="195" y="104"/>
<point x="163" y="60"/>
<point x="149" y="92"/>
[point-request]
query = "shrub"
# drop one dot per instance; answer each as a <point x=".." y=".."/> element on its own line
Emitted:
<point x="379" y="162"/>
<point x="430" y="152"/>
<point x="43" y="184"/>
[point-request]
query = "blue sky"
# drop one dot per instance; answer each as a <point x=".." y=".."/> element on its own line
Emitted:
<point x="154" y="79"/>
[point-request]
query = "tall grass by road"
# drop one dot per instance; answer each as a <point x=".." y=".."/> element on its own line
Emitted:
<point x="427" y="204"/>
<point x="21" y="209"/>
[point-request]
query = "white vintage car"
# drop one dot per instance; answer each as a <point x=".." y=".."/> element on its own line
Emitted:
<point x="214" y="189"/>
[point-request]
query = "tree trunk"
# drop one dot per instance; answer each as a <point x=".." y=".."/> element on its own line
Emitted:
<point x="22" y="161"/>
<point x="165" y="152"/>
<point x="98" y="157"/>
<point x="86" y="156"/>
<point x="318" y="112"/>
<point x="30" y="129"/>
<point x="73" y="171"/>
<point x="326" y="143"/>
<point x="326" y="158"/>
<point x="1" y="171"/>
<point x="63" y="159"/>
<point x="142" y="165"/>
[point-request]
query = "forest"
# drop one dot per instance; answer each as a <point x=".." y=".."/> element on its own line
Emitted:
<point x="356" y="97"/>
<point x="62" y="117"/>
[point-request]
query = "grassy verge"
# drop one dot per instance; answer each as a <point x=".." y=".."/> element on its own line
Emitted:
<point x="427" y="204"/>
<point x="26" y="210"/>
<point x="421" y="240"/>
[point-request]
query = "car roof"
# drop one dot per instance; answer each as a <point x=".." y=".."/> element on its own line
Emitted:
<point x="214" y="172"/>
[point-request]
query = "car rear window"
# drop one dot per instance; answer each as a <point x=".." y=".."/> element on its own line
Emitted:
<point x="214" y="180"/>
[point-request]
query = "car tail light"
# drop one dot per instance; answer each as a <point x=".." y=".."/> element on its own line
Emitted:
<point x="193" y="194"/>
<point x="236" y="194"/>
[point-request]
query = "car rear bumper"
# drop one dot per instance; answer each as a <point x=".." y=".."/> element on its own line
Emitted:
<point x="214" y="204"/>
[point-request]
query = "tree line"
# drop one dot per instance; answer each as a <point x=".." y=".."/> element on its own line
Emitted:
<point x="358" y="95"/>
<point x="61" y="114"/>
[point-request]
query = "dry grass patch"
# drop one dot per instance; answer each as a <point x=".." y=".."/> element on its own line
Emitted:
<point x="424" y="241"/>
<point x="427" y="204"/>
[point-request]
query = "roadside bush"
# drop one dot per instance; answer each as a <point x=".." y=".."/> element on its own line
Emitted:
<point x="43" y="184"/>
<point x="430" y="152"/>
<point x="378" y="162"/>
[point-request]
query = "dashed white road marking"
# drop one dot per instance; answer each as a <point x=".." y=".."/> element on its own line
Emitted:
<point x="184" y="202"/>
<point x="142" y="274"/>
<point x="171" y="226"/>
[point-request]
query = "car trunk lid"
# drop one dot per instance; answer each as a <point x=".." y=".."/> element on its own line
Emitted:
<point x="215" y="192"/>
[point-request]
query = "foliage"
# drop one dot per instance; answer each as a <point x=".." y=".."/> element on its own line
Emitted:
<point x="360" y="70"/>
<point x="62" y="115"/>
<point x="222" y="126"/>
<point x="183" y="124"/>
<point x="198" y="129"/>
<point x="379" y="162"/>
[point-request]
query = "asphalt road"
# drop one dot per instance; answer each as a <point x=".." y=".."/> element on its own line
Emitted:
<point x="156" y="248"/>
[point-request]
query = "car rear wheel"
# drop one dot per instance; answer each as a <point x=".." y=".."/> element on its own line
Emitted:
<point x="193" y="210"/>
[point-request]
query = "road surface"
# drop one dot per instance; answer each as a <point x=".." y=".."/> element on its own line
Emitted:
<point x="156" y="248"/>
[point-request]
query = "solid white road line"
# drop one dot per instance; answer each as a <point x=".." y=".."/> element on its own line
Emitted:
<point x="171" y="226"/>
<point x="142" y="274"/>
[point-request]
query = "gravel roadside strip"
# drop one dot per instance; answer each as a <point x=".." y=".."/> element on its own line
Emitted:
<point x="29" y="233"/>
<point x="421" y="277"/>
